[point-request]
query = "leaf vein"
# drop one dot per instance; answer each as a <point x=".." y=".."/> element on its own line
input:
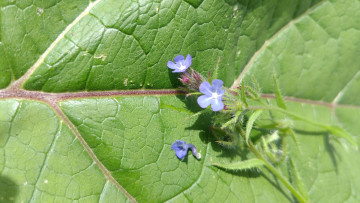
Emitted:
<point x="21" y="81"/>
<point x="341" y="92"/>
<point x="270" y="40"/>
<point x="47" y="155"/>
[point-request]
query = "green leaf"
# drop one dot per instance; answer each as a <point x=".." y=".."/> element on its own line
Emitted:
<point x="45" y="162"/>
<point x="279" y="98"/>
<point x="241" y="165"/>
<point x="89" y="109"/>
<point x="243" y="96"/>
<point x="337" y="131"/>
<point x="28" y="28"/>
<point x="250" y="123"/>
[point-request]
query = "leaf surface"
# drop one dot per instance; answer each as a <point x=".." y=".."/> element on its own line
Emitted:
<point x="89" y="110"/>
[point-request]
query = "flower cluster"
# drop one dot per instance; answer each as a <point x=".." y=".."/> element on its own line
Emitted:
<point x="240" y="110"/>
<point x="195" y="82"/>
<point x="192" y="80"/>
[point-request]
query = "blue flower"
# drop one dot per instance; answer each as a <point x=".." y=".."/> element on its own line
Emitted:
<point x="180" y="64"/>
<point x="181" y="149"/>
<point x="212" y="95"/>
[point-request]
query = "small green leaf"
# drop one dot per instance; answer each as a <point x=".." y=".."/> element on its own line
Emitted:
<point x="339" y="132"/>
<point x="243" y="96"/>
<point x="216" y="69"/>
<point x="268" y="152"/>
<point x="250" y="124"/>
<point x="279" y="99"/>
<point x="241" y="165"/>
<point x="253" y="94"/>
<point x="225" y="138"/>
<point x="232" y="121"/>
<point x="256" y="84"/>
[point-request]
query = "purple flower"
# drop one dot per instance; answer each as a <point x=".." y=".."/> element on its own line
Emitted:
<point x="180" y="64"/>
<point x="181" y="149"/>
<point x="212" y="95"/>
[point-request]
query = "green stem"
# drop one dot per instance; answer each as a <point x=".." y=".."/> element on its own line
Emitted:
<point x="268" y="165"/>
<point x="288" y="113"/>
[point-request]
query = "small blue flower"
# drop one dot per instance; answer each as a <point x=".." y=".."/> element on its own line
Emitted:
<point x="180" y="64"/>
<point x="181" y="149"/>
<point x="212" y="95"/>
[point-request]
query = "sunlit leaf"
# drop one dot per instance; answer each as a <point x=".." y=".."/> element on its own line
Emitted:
<point x="109" y="140"/>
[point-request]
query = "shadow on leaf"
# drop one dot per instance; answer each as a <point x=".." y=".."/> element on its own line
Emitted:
<point x="332" y="152"/>
<point x="328" y="146"/>
<point x="249" y="173"/>
<point x="8" y="189"/>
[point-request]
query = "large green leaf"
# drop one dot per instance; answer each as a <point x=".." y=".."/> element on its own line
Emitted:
<point x="89" y="110"/>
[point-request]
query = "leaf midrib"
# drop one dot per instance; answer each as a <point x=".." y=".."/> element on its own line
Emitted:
<point x="12" y="93"/>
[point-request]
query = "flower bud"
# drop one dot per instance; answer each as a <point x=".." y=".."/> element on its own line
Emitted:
<point x="191" y="79"/>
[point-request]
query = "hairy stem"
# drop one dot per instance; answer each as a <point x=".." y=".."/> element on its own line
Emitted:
<point x="268" y="165"/>
<point x="287" y="113"/>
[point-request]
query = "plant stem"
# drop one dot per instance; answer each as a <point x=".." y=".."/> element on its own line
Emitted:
<point x="277" y="173"/>
<point x="287" y="113"/>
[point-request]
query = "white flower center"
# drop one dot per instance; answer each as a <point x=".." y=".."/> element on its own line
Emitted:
<point x="182" y="67"/>
<point x="214" y="95"/>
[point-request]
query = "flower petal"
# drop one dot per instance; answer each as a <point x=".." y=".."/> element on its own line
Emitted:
<point x="188" y="61"/>
<point x="221" y="92"/>
<point x="172" y="65"/>
<point x="217" y="85"/>
<point x="181" y="153"/>
<point x="204" y="101"/>
<point x="205" y="88"/>
<point x="178" y="144"/>
<point x="192" y="148"/>
<point x="217" y="104"/>
<point x="179" y="58"/>
<point x="178" y="71"/>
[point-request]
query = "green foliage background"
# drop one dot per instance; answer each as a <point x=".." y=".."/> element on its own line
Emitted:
<point x="117" y="147"/>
